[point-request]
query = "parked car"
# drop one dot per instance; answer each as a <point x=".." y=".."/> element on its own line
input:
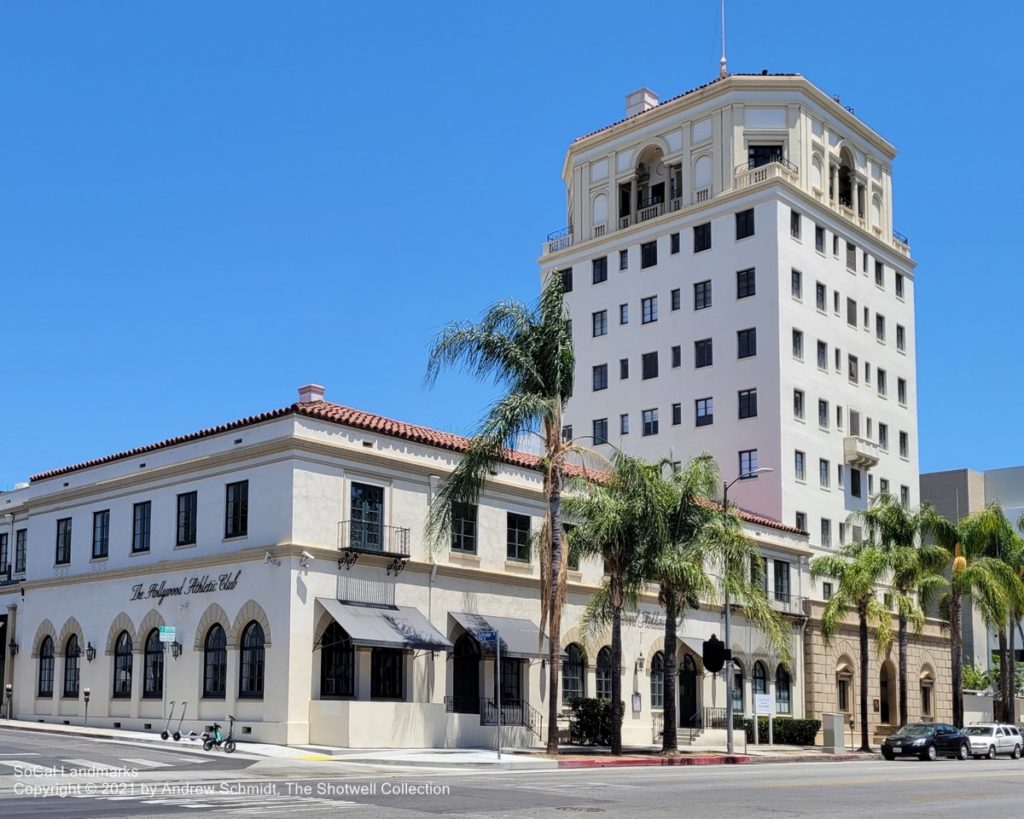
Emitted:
<point x="988" y="739"/>
<point x="927" y="741"/>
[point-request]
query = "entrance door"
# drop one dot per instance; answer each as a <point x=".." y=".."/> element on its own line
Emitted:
<point x="883" y="696"/>
<point x="688" y="693"/>
<point x="367" y="517"/>
<point x="466" y="679"/>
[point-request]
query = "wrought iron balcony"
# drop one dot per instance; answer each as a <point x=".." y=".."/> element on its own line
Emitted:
<point x="560" y="239"/>
<point x="860" y="452"/>
<point x="787" y="603"/>
<point x="359" y="537"/>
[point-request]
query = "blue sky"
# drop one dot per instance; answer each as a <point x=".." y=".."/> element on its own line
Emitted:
<point x="206" y="204"/>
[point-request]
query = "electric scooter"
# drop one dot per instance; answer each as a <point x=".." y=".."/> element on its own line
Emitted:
<point x="170" y="714"/>
<point x="216" y="739"/>
<point x="177" y="732"/>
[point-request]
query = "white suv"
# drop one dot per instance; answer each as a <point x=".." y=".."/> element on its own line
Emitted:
<point x="989" y="739"/>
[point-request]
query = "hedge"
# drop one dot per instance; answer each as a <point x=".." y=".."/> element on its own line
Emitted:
<point x="591" y="721"/>
<point x="785" y="730"/>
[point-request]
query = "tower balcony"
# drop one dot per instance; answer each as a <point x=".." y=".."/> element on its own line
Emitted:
<point x="750" y="173"/>
<point x="860" y="452"/>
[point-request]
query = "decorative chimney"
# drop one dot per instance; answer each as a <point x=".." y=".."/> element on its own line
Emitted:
<point x="310" y="392"/>
<point x="643" y="99"/>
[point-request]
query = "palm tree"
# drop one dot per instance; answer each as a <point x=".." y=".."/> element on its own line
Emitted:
<point x="915" y="567"/>
<point x="527" y="351"/>
<point x="616" y="519"/>
<point x="858" y="569"/>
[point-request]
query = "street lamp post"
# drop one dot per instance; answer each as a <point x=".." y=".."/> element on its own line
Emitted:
<point x="728" y="618"/>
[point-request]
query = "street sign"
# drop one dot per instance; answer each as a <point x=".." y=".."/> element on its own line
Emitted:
<point x="166" y="634"/>
<point x="762" y="703"/>
<point x="487" y="636"/>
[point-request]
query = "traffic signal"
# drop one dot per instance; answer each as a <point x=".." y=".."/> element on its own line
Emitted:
<point x="713" y="655"/>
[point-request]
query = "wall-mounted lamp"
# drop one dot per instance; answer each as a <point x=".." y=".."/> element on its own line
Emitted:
<point x="305" y="559"/>
<point x="13" y="646"/>
<point x="641" y="661"/>
<point x="90" y="653"/>
<point x="175" y="649"/>
<point x="269" y="558"/>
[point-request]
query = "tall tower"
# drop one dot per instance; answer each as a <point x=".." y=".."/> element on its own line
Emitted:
<point x="736" y="287"/>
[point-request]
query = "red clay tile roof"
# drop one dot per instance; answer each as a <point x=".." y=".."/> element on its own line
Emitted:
<point x="357" y="419"/>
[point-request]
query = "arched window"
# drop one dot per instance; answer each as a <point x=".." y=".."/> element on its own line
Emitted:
<point x="783" y="702"/>
<point x="737" y="687"/>
<point x="153" y="667"/>
<point x="71" y="655"/>
<point x="927" y="683"/>
<point x="250" y="679"/>
<point x="46" y="668"/>
<point x="574" y="681"/>
<point x="337" y="664"/>
<point x="215" y="663"/>
<point x="123" y="666"/>
<point x="760" y="678"/>
<point x="658" y="680"/>
<point x="604" y="674"/>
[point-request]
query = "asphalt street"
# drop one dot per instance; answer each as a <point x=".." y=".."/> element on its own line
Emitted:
<point x="47" y="776"/>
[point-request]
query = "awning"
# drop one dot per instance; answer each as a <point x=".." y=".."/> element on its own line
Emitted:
<point x="518" y="636"/>
<point x="385" y="626"/>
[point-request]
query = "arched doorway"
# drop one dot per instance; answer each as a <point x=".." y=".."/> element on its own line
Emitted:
<point x="466" y="676"/>
<point x="886" y="694"/>
<point x="688" y="717"/>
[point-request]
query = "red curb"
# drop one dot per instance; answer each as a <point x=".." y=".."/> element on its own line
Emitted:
<point x="634" y="762"/>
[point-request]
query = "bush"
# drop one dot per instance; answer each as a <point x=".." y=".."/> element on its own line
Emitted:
<point x="785" y="730"/>
<point x="591" y="721"/>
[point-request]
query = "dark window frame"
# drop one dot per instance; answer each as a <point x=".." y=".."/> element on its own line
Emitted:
<point x="153" y="666"/>
<point x="123" y="661"/>
<point x="337" y="664"/>
<point x="44" y="680"/>
<point x="142" y="526"/>
<point x="744" y="224"/>
<point x="747" y="403"/>
<point x="252" y="656"/>
<point x="101" y="534"/>
<point x="62" y="551"/>
<point x="186" y="525"/>
<point x="215" y="663"/>
<point x="517" y="537"/>
<point x="746" y="343"/>
<point x="648" y="254"/>
<point x="746" y="283"/>
<point x="387" y="674"/>
<point x="464" y="527"/>
<point x="701" y="237"/>
<point x="704" y="411"/>
<point x="236" y="509"/>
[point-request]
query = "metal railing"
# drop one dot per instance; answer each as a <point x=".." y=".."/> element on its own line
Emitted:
<point x="513" y="712"/>
<point x="373" y="538"/>
<point x="787" y="603"/>
<point x="559" y="239"/>
<point x="900" y="237"/>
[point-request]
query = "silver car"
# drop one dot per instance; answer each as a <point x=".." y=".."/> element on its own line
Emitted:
<point x="989" y="739"/>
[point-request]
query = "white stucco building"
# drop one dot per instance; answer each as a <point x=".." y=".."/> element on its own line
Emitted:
<point x="287" y="551"/>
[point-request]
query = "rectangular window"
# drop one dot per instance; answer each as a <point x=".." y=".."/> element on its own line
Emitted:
<point x="649" y="309"/>
<point x="600" y="269"/>
<point x="746" y="343"/>
<point x="623" y="368"/>
<point x="824" y="473"/>
<point x="464" y="527"/>
<point x="883" y="436"/>
<point x="880" y="327"/>
<point x="677" y="414"/>
<point x="901" y="338"/>
<point x="867" y="373"/>
<point x="905" y="495"/>
<point x="702" y="237"/>
<point x="853" y="368"/>
<point x="676" y="299"/>
<point x="835" y="245"/>
<point x="822" y="414"/>
<point x="796" y="284"/>
<point x="386" y="673"/>
<point x="624" y="424"/>
<point x="600" y="426"/>
<point x="839" y="359"/>
<point x="781" y="581"/>
<point x="822" y="355"/>
<point x="186" y="524"/>
<point x="567" y="432"/>
<point x="819" y="239"/>
<point x="879" y="273"/>
<point x="702" y="295"/>
<point x="839" y="417"/>
<point x="623" y="260"/>
<point x="142" y="518"/>
<point x="705" y="412"/>
<point x="901" y="391"/>
<point x="648" y="254"/>
<point x="839" y="475"/>
<point x="855" y="482"/>
<point x="854" y="422"/>
<point x="748" y="403"/>
<point x="566" y="279"/>
<point x="835" y="302"/>
<point x="798" y="404"/>
<point x="800" y="465"/>
<point x="899" y="285"/>
<point x="649" y="366"/>
<point x="20" y="549"/>
<point x="820" y="296"/>
<point x="5" y="556"/>
<point x="904" y="445"/>
<point x="745" y="223"/>
<point x="867" y="318"/>
<point x="748" y="463"/>
<point x="236" y="509"/>
<point x="600" y="377"/>
<point x="798" y="344"/>
<point x="883" y="486"/>
<point x="794" y="224"/>
<point x="63" y="551"/>
<point x="801" y="521"/>
<point x="851" y="312"/>
<point x="673" y="240"/>
<point x="826" y="532"/>
<point x="703" y="353"/>
<point x="623" y="314"/>
<point x="650" y="418"/>
<point x="851" y="256"/>
<point x="677" y="356"/>
<point x="881" y="379"/>
<point x="599" y="320"/>
<point x="518" y="537"/>
<point x="745" y="285"/>
<point x="101" y="534"/>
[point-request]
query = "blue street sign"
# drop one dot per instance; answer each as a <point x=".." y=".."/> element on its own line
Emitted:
<point x="487" y="636"/>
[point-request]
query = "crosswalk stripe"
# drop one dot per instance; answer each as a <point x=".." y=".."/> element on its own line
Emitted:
<point x="148" y="763"/>
<point x="18" y="763"/>
<point x="88" y="763"/>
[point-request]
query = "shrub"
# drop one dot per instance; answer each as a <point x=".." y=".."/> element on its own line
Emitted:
<point x="785" y="730"/>
<point x="591" y="720"/>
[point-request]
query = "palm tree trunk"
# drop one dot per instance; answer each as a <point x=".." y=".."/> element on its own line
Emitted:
<point x="1011" y="673"/>
<point x="956" y="659"/>
<point x="616" y="739"/>
<point x="903" y="669"/>
<point x="1004" y="676"/>
<point x="670" y="722"/>
<point x="865" y="746"/>
<point x="554" y="608"/>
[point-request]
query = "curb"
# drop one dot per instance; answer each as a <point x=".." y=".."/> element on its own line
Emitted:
<point x="539" y="765"/>
<point x="737" y="759"/>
